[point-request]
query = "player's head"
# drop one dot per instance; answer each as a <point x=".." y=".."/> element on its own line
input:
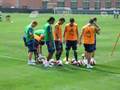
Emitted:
<point x="91" y="21"/>
<point x="95" y="19"/>
<point x="72" y="20"/>
<point x="51" y="20"/>
<point x="34" y="24"/>
<point x="8" y="16"/>
<point x="61" y="20"/>
<point x="42" y="36"/>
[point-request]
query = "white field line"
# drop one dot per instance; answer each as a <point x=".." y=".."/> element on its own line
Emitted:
<point x="9" y="57"/>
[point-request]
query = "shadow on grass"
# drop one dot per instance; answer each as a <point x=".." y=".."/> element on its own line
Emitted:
<point x="64" y="68"/>
<point x="107" y="69"/>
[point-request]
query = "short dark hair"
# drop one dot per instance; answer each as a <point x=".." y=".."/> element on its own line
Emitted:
<point x="62" y="19"/>
<point x="91" y="21"/>
<point x="72" y="20"/>
<point x="51" y="18"/>
<point x="8" y="16"/>
<point x="34" y="22"/>
<point x="94" y="19"/>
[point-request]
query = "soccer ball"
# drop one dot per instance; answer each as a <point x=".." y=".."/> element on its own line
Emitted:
<point x="93" y="62"/>
<point x="85" y="62"/>
<point x="80" y="62"/>
<point x="52" y="62"/>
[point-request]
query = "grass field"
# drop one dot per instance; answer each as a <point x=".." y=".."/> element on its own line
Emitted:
<point x="15" y="74"/>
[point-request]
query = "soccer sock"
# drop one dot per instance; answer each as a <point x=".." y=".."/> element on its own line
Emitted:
<point x="58" y="55"/>
<point x="67" y="55"/>
<point x="75" y="55"/>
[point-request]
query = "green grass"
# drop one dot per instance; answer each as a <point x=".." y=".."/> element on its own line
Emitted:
<point x="15" y="74"/>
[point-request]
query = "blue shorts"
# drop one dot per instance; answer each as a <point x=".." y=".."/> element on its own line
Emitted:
<point x="24" y="39"/>
<point x="58" y="46"/>
<point x="50" y="46"/>
<point x="71" y="44"/>
<point x="94" y="46"/>
<point x="32" y="45"/>
<point x="89" y="47"/>
<point x="95" y="43"/>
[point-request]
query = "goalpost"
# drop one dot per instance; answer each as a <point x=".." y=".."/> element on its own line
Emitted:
<point x="62" y="10"/>
<point x="104" y="13"/>
<point x="34" y="14"/>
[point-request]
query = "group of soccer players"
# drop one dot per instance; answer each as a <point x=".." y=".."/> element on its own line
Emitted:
<point x="54" y="38"/>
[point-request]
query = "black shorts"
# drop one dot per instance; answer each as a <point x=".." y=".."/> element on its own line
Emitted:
<point x="42" y="42"/>
<point x="89" y="47"/>
<point x="58" y="46"/>
<point x="71" y="44"/>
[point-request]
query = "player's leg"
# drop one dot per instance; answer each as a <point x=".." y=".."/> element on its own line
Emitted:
<point x="40" y="49"/>
<point x="59" y="49"/>
<point x="36" y="51"/>
<point x="93" y="53"/>
<point x="117" y="16"/>
<point x="30" y="56"/>
<point x="68" y="46"/>
<point x="0" y="18"/>
<point x="74" y="48"/>
<point x="88" y="54"/>
<point x="31" y="50"/>
<point x="51" y="50"/>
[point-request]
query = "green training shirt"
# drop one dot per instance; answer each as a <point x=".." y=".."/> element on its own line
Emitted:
<point x="48" y="32"/>
<point x="29" y="30"/>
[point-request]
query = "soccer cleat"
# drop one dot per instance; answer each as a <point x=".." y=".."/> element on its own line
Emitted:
<point x="59" y="63"/>
<point x="89" y="66"/>
<point x="31" y="63"/>
<point x="33" y="60"/>
<point x="93" y="61"/>
<point x="80" y="62"/>
<point x="66" y="62"/>
<point x="52" y="62"/>
<point x="45" y="63"/>
<point x="74" y="62"/>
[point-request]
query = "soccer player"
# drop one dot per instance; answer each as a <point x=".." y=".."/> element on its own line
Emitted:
<point x="49" y="40"/>
<point x="39" y="33"/>
<point x="30" y="41"/>
<point x="8" y="18"/>
<point x="88" y="36"/>
<point x="116" y="14"/>
<point x="38" y="40"/>
<point x="98" y="28"/>
<point x="71" y="39"/>
<point x="58" y="40"/>
<point x="0" y="16"/>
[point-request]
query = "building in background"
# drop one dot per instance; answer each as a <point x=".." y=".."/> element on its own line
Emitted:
<point x="73" y="4"/>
